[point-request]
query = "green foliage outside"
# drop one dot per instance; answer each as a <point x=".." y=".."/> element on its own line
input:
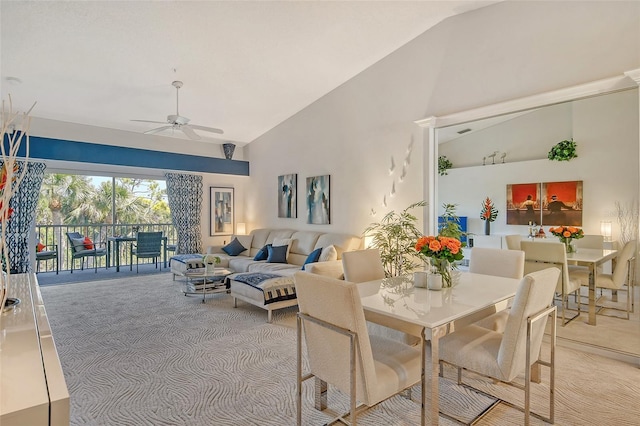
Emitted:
<point x="72" y="200"/>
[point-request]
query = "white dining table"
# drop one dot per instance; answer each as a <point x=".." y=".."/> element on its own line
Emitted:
<point x="394" y="301"/>
<point x="592" y="258"/>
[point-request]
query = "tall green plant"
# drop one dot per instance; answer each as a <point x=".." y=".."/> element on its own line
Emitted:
<point x="450" y="226"/>
<point x="396" y="236"/>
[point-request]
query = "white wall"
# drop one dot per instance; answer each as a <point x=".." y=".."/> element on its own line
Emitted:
<point x="501" y="52"/>
<point x="606" y="131"/>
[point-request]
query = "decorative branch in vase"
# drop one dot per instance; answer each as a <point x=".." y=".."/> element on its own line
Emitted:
<point x="488" y="213"/>
<point x="11" y="174"/>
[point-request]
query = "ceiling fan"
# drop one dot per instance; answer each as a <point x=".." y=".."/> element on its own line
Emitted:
<point x="178" y="122"/>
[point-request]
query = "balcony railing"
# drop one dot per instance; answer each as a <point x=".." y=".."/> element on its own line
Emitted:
<point x="57" y="234"/>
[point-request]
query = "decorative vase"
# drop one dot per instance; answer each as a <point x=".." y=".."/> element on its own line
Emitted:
<point x="434" y="281"/>
<point x="568" y="246"/>
<point x="487" y="227"/>
<point x="420" y="279"/>
<point x="442" y="267"/>
<point x="228" y="149"/>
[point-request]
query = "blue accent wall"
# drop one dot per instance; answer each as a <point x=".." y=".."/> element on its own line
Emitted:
<point x="58" y="149"/>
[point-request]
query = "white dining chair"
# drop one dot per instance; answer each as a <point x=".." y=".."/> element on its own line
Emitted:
<point x="366" y="265"/>
<point x="500" y="263"/>
<point x="541" y="255"/>
<point x="340" y="351"/>
<point x="513" y="241"/>
<point x="505" y="356"/>
<point x="622" y="276"/>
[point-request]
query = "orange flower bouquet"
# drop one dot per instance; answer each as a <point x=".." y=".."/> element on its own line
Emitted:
<point x="566" y="234"/>
<point x="442" y="253"/>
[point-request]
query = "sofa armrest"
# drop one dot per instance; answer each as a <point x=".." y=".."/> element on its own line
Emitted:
<point x="332" y="268"/>
<point x="215" y="249"/>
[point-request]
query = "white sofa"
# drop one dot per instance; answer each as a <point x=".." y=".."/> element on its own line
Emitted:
<point x="301" y="245"/>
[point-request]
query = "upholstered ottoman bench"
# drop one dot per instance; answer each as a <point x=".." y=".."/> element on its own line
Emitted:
<point x="183" y="264"/>
<point x="267" y="291"/>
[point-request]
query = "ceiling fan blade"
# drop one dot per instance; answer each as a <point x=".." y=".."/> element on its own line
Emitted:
<point x="157" y="130"/>
<point x="206" y="129"/>
<point x="187" y="130"/>
<point x="149" y="121"/>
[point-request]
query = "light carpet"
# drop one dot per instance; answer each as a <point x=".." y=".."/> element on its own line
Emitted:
<point x="136" y="351"/>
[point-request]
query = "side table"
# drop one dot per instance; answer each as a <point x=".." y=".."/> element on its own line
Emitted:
<point x="210" y="281"/>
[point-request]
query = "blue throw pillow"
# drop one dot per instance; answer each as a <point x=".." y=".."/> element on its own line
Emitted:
<point x="313" y="257"/>
<point x="234" y="248"/>
<point x="277" y="254"/>
<point x="263" y="253"/>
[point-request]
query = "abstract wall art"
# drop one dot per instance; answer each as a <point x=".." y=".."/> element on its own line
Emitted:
<point x="318" y="200"/>
<point x="221" y="211"/>
<point x="288" y="196"/>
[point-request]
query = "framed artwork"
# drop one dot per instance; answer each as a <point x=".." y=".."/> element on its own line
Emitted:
<point x="562" y="203"/>
<point x="221" y="220"/>
<point x="288" y="196"/>
<point x="545" y="204"/>
<point x="318" y="200"/>
<point x="523" y="204"/>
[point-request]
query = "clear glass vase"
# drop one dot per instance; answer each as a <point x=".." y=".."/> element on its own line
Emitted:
<point x="442" y="267"/>
<point x="569" y="248"/>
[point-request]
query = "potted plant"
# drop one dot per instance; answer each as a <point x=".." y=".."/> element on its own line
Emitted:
<point x="395" y="236"/>
<point x="563" y="151"/>
<point x="444" y="164"/>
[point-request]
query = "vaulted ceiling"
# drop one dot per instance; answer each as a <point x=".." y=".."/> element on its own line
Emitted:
<point x="246" y="65"/>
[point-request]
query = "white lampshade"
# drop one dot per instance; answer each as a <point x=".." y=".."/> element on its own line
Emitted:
<point x="241" y="228"/>
<point x="368" y="240"/>
<point x="605" y="230"/>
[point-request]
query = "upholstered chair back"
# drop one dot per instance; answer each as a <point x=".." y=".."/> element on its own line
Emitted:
<point x="513" y="241"/>
<point x="534" y="294"/>
<point x="590" y="241"/>
<point x="542" y="255"/>
<point x="362" y="265"/>
<point x="336" y="302"/>
<point x="621" y="271"/>
<point x="497" y="262"/>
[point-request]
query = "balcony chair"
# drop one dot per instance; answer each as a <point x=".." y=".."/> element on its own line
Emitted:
<point x="340" y="351"/>
<point x="622" y="274"/>
<point x="49" y="252"/>
<point x="500" y="263"/>
<point x="79" y="250"/>
<point x="505" y="356"/>
<point x="366" y="265"/>
<point x="148" y="245"/>
<point x="542" y="255"/>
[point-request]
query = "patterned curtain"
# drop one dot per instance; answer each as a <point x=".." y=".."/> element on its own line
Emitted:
<point x="185" y="201"/>
<point x="24" y="203"/>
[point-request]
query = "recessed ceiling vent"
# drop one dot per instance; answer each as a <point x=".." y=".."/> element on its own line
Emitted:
<point x="463" y="131"/>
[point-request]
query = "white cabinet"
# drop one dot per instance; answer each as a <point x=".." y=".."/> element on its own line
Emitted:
<point x="32" y="387"/>
<point x="488" y="241"/>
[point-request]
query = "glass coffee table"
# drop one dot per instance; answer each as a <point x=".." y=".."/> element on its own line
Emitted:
<point x="209" y="281"/>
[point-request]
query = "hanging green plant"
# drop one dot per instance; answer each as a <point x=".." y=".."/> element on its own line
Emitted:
<point x="444" y="164"/>
<point x="563" y="151"/>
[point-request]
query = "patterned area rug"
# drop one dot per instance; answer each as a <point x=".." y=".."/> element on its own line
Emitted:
<point x="136" y="351"/>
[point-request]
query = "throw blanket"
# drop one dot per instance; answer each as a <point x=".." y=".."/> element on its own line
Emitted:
<point x="188" y="259"/>
<point x="275" y="287"/>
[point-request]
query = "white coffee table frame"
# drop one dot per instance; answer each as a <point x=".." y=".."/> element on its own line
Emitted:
<point x="216" y="275"/>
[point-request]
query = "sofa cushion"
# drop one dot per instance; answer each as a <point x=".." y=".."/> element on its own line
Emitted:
<point x="242" y="263"/>
<point x="234" y="248"/>
<point x="283" y="242"/>
<point x="246" y="241"/>
<point x="313" y="257"/>
<point x="341" y="242"/>
<point x="328" y="254"/>
<point x="277" y="254"/>
<point x="263" y="253"/>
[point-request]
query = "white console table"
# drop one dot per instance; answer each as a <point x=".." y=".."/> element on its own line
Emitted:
<point x="32" y="387"/>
